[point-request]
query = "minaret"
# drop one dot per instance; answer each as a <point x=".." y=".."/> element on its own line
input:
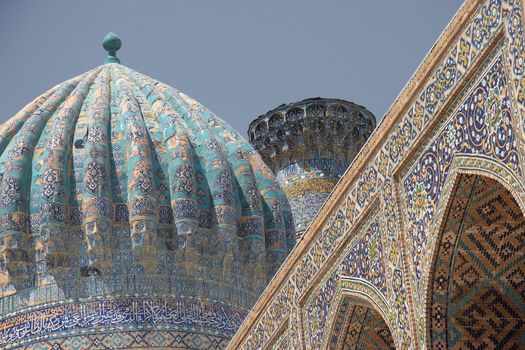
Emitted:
<point x="309" y="144"/>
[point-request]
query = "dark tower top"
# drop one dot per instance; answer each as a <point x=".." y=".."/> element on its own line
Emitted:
<point x="309" y="144"/>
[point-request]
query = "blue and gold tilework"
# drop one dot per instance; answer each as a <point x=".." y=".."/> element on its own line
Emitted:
<point x="309" y="144"/>
<point x="115" y="185"/>
<point x="462" y="112"/>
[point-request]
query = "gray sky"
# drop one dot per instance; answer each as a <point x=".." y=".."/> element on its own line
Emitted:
<point x="238" y="58"/>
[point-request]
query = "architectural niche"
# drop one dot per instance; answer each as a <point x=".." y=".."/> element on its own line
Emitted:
<point x="476" y="295"/>
<point x="132" y="217"/>
<point x="425" y="228"/>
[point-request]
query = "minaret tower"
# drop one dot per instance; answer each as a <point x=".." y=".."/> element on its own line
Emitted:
<point x="309" y="144"/>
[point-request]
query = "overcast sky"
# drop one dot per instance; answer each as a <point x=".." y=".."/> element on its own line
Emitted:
<point x="238" y="58"/>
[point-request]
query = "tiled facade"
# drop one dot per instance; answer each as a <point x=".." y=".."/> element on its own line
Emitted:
<point x="208" y="321"/>
<point x="129" y="214"/>
<point x="309" y="144"/>
<point x="148" y="223"/>
<point x="359" y="327"/>
<point x="463" y="112"/>
<point x="479" y="269"/>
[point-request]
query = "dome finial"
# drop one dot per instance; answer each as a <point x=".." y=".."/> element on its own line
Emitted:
<point x="111" y="44"/>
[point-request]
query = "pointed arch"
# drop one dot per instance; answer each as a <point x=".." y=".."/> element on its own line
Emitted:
<point x="473" y="293"/>
<point x="358" y="324"/>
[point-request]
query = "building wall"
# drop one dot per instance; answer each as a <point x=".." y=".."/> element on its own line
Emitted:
<point x="462" y="112"/>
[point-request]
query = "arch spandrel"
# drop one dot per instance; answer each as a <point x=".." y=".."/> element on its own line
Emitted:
<point x="358" y="274"/>
<point x="325" y="331"/>
<point x="480" y="131"/>
<point x="484" y="44"/>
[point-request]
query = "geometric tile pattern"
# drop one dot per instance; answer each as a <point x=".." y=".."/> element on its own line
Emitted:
<point x="464" y="109"/>
<point x="374" y="333"/>
<point x="359" y="327"/>
<point x="135" y="340"/>
<point x="309" y="144"/>
<point x="364" y="261"/>
<point x="478" y="282"/>
<point x="190" y="314"/>
<point x="482" y="124"/>
<point x="344" y="312"/>
<point x="115" y="184"/>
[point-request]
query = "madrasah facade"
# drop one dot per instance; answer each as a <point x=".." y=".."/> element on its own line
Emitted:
<point x="132" y="217"/>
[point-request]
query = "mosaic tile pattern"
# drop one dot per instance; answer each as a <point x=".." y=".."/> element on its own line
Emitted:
<point x="481" y="125"/>
<point x="113" y="183"/>
<point x="477" y="283"/>
<point x="343" y="316"/>
<point x="138" y="340"/>
<point x="374" y="332"/>
<point x="195" y="315"/>
<point x="365" y="260"/>
<point x="318" y="310"/>
<point x="359" y="327"/>
<point x="323" y="305"/>
<point x="309" y="144"/>
<point x="468" y="112"/>
<point x="282" y="342"/>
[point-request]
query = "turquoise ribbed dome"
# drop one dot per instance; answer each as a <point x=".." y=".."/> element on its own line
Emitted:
<point x="115" y="178"/>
